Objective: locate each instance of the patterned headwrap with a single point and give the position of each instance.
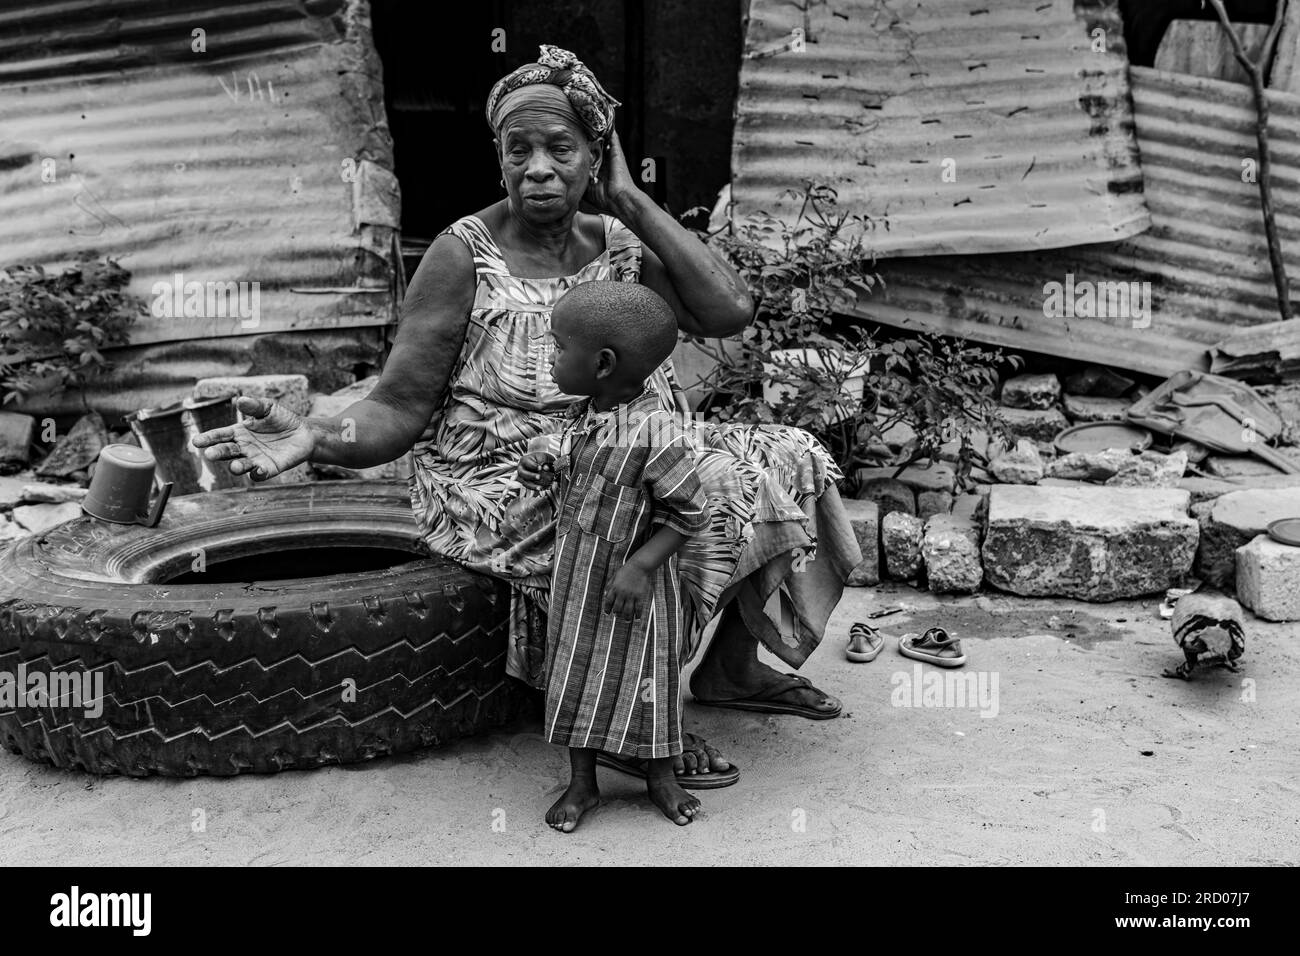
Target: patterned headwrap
(593, 106)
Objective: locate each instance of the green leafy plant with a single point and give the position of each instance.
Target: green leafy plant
(54, 327)
(805, 362)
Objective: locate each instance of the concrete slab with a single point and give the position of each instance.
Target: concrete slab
(1097, 544)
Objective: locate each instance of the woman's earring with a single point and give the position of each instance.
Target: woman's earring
(503, 182)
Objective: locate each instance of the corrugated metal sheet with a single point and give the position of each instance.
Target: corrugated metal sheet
(58, 38)
(226, 166)
(1204, 256)
(1037, 123)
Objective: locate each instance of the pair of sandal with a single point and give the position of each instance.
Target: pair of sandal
(935, 646)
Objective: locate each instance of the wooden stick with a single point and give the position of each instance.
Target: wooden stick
(1255, 71)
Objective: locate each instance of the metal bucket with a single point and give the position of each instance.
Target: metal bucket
(167, 433)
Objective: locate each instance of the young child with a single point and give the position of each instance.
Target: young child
(629, 499)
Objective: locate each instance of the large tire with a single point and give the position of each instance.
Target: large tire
(227, 678)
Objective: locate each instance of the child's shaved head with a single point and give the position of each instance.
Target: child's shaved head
(631, 320)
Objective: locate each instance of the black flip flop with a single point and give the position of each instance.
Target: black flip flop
(634, 767)
(759, 705)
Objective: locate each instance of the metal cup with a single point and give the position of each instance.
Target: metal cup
(119, 491)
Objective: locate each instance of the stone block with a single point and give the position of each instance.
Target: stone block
(1234, 520)
(1039, 424)
(1031, 391)
(900, 540)
(1268, 579)
(864, 517)
(950, 548)
(1095, 544)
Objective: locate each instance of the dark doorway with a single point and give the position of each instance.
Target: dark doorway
(674, 65)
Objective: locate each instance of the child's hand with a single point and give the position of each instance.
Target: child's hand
(628, 594)
(536, 470)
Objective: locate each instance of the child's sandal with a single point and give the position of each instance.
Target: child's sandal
(865, 643)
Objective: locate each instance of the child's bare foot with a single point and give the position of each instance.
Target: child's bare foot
(667, 794)
(582, 793)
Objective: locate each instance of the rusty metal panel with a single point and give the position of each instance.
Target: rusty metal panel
(1036, 124)
(271, 167)
(1204, 255)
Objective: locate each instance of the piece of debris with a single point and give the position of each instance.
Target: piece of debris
(38, 518)
(900, 538)
(78, 449)
(950, 549)
(1209, 627)
(1259, 353)
(15, 439)
(1022, 465)
(889, 495)
(1031, 391)
(1234, 520)
(1150, 470)
(1095, 466)
(10, 531)
(921, 476)
(49, 494)
(1082, 409)
(1171, 598)
(1040, 424)
(864, 517)
(931, 503)
(1098, 380)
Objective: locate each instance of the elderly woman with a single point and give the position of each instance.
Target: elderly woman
(468, 386)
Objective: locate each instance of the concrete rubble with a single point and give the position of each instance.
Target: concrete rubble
(900, 540)
(38, 518)
(1092, 543)
(77, 450)
(930, 503)
(864, 516)
(1031, 391)
(950, 549)
(1022, 465)
(1082, 409)
(1268, 579)
(1232, 521)
(1150, 470)
(889, 495)
(1039, 424)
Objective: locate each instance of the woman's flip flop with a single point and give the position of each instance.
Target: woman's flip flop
(865, 643)
(933, 647)
(634, 767)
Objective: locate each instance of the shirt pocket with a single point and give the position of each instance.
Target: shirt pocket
(609, 510)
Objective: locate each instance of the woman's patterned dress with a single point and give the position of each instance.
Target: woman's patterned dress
(773, 502)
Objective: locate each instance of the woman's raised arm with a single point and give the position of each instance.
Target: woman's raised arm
(706, 294)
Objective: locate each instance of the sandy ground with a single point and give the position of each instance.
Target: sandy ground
(1092, 758)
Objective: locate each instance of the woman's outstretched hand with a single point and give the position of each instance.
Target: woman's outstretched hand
(613, 182)
(270, 439)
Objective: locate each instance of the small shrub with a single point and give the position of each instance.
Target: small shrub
(804, 276)
(54, 328)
